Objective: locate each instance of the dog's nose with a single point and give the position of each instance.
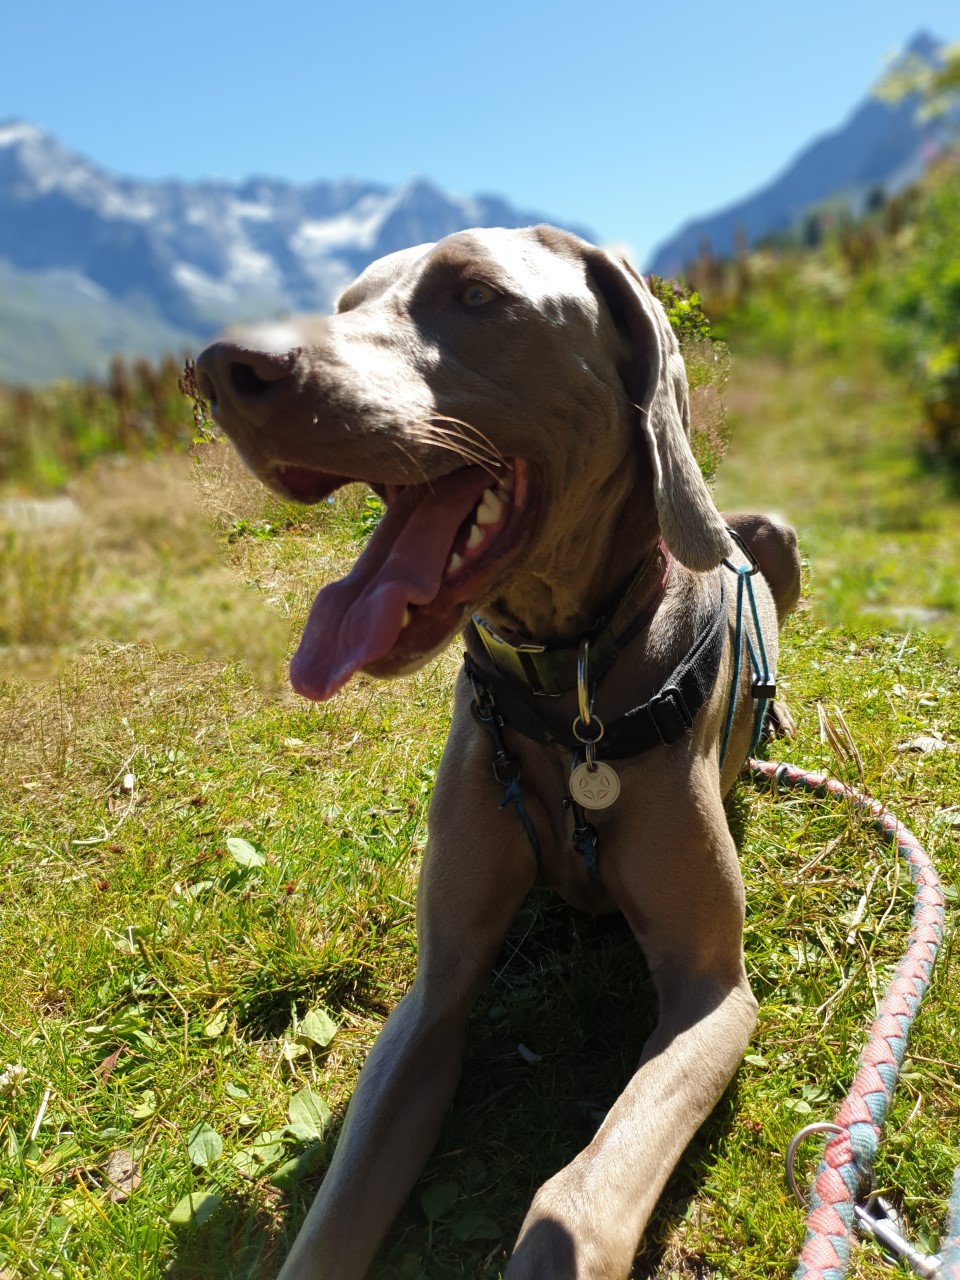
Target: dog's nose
(230, 376)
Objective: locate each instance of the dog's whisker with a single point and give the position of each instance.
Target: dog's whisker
(439, 442)
(409, 457)
(482, 438)
(445, 429)
(453, 446)
(459, 429)
(443, 438)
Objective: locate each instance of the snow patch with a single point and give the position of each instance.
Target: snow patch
(87, 287)
(251, 211)
(249, 266)
(356, 230)
(19, 131)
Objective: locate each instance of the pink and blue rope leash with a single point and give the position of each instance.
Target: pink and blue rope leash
(839, 1196)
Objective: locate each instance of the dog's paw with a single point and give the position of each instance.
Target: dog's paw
(778, 723)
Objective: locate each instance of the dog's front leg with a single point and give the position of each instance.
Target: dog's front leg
(681, 891)
(477, 869)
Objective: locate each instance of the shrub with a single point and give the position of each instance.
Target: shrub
(708, 368)
(922, 304)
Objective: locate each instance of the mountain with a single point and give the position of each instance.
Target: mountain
(92, 263)
(881, 145)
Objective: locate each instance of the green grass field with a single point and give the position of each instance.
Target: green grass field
(208, 885)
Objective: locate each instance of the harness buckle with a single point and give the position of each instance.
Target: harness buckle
(669, 715)
(764, 687)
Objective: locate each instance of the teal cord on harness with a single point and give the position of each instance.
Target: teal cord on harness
(513, 794)
(763, 686)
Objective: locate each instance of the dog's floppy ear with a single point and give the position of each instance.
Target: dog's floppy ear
(656, 381)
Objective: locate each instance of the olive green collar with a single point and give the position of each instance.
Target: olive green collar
(552, 669)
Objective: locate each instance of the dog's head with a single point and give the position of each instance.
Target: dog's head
(516, 398)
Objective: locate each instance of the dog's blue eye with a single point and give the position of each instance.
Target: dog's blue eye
(478, 294)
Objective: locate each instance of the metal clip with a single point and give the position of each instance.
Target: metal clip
(484, 711)
(754, 564)
(586, 727)
(875, 1217)
(878, 1218)
(483, 707)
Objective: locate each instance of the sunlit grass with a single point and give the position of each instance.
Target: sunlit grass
(833, 446)
(202, 875)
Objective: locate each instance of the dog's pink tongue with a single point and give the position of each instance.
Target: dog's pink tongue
(357, 620)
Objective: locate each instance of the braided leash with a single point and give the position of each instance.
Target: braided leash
(844, 1175)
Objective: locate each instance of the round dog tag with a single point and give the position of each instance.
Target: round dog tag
(596, 787)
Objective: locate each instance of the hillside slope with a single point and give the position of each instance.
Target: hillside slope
(881, 145)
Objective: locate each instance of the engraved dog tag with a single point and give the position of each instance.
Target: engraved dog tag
(594, 787)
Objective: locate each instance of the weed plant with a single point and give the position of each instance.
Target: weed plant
(48, 436)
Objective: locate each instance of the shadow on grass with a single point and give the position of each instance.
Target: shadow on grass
(241, 1241)
(552, 1042)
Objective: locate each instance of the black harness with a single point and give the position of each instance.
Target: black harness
(500, 702)
(661, 720)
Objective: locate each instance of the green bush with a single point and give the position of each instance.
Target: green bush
(47, 436)
(922, 305)
(842, 287)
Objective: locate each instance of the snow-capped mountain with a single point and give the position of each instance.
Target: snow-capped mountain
(92, 262)
(168, 263)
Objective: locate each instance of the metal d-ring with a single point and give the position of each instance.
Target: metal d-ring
(589, 743)
(819, 1126)
(595, 725)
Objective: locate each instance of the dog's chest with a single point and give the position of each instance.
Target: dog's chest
(545, 777)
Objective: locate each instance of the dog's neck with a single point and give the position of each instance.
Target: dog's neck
(584, 557)
(551, 669)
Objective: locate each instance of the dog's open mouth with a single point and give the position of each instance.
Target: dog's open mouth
(433, 556)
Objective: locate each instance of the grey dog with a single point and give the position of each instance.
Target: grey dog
(518, 400)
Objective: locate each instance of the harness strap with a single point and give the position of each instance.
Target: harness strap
(661, 720)
(506, 769)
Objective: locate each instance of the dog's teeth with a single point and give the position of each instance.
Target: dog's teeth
(476, 537)
(490, 508)
(407, 618)
(507, 481)
(454, 563)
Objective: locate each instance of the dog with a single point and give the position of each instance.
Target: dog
(518, 400)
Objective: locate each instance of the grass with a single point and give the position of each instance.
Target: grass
(207, 887)
(834, 448)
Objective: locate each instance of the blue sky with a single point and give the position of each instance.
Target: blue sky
(627, 118)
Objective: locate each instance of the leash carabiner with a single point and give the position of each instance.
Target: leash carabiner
(754, 562)
(878, 1219)
(875, 1216)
